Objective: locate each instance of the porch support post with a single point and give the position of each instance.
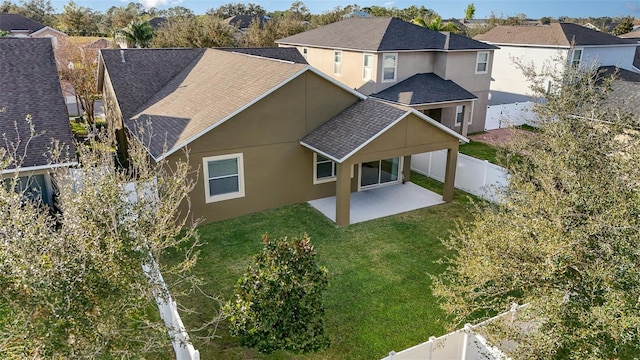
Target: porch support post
(343, 194)
(406, 168)
(450, 174)
(466, 115)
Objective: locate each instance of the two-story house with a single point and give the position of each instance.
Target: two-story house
(443, 75)
(540, 45)
(20, 26)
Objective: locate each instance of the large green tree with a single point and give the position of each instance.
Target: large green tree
(77, 20)
(198, 31)
(564, 239)
(138, 34)
(72, 284)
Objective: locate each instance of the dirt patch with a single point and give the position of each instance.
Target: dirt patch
(500, 137)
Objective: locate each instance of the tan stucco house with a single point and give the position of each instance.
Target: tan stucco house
(263, 128)
(443, 75)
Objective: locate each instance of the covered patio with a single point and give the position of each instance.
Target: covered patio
(370, 145)
(381, 202)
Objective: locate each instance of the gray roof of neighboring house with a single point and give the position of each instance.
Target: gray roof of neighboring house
(556, 34)
(278, 53)
(244, 21)
(29, 84)
(625, 94)
(358, 125)
(426, 88)
(156, 22)
(200, 93)
(381, 34)
(13, 22)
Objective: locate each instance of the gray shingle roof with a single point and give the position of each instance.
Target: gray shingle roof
(144, 73)
(279, 53)
(12, 22)
(204, 92)
(354, 127)
(625, 89)
(29, 84)
(426, 88)
(556, 34)
(380, 34)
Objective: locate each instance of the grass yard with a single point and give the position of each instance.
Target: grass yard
(379, 296)
(480, 150)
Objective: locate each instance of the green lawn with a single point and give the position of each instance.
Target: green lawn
(379, 296)
(480, 150)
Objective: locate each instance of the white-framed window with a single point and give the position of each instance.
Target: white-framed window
(324, 169)
(223, 177)
(305, 52)
(459, 114)
(482, 62)
(576, 56)
(367, 66)
(337, 62)
(389, 67)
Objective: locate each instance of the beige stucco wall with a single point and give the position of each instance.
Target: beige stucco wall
(277, 169)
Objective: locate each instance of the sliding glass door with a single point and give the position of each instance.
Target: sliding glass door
(381, 172)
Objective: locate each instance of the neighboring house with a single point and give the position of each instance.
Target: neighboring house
(29, 87)
(541, 45)
(625, 90)
(20, 26)
(633, 34)
(263, 132)
(156, 22)
(444, 75)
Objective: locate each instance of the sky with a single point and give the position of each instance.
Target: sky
(446, 8)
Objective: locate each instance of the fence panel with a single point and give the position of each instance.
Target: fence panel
(505, 115)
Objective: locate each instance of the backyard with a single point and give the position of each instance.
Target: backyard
(379, 296)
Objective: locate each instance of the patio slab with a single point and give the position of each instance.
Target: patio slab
(380, 202)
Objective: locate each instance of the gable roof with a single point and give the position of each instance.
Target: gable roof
(556, 34)
(381, 34)
(29, 84)
(360, 124)
(278, 53)
(14, 22)
(425, 88)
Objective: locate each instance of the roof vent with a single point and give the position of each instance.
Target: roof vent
(122, 55)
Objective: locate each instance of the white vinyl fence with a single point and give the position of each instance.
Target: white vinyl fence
(475, 176)
(462, 344)
(506, 115)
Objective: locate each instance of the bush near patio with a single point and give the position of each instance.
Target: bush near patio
(278, 302)
(379, 295)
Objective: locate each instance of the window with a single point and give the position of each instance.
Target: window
(389, 65)
(482, 62)
(324, 169)
(367, 66)
(305, 52)
(576, 56)
(337, 62)
(459, 115)
(223, 177)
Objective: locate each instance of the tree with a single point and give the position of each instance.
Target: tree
(77, 20)
(179, 11)
(201, 31)
(72, 283)
(38, 10)
(625, 26)
(233, 9)
(545, 20)
(121, 17)
(299, 11)
(272, 30)
(78, 65)
(470, 12)
(138, 34)
(435, 24)
(564, 239)
(278, 302)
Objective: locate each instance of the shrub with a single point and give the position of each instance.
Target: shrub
(278, 302)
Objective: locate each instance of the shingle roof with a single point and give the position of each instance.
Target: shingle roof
(29, 84)
(12, 22)
(380, 34)
(635, 34)
(244, 21)
(144, 72)
(426, 88)
(556, 34)
(207, 91)
(625, 94)
(279, 53)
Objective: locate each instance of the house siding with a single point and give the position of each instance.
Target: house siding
(277, 170)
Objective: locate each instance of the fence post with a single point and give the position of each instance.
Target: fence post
(432, 340)
(429, 167)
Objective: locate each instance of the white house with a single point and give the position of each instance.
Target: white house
(540, 45)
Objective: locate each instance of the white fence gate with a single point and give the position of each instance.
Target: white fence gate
(475, 176)
(505, 115)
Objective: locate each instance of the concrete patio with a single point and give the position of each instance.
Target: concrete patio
(380, 202)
